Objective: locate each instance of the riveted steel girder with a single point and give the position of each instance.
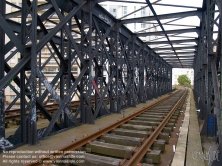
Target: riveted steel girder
(98, 61)
(206, 69)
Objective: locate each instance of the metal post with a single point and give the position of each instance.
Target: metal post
(2, 70)
(90, 118)
(86, 81)
(23, 123)
(216, 92)
(130, 72)
(33, 139)
(119, 71)
(62, 116)
(141, 76)
(171, 78)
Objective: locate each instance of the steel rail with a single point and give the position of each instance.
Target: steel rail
(49, 108)
(83, 141)
(136, 158)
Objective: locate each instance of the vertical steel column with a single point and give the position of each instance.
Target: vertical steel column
(98, 74)
(168, 79)
(33, 139)
(212, 24)
(137, 69)
(142, 98)
(155, 90)
(219, 57)
(62, 115)
(202, 97)
(171, 78)
(206, 99)
(2, 71)
(113, 72)
(99, 80)
(216, 92)
(152, 75)
(82, 91)
(86, 51)
(160, 77)
(39, 81)
(156, 93)
(149, 76)
(90, 118)
(23, 123)
(131, 95)
(163, 77)
(119, 70)
(219, 53)
(67, 78)
(156, 84)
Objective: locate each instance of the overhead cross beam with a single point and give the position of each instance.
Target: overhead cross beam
(173, 41)
(173, 57)
(162, 17)
(176, 48)
(171, 53)
(161, 33)
(160, 24)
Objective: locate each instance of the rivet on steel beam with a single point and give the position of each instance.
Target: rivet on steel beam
(149, 150)
(142, 139)
(133, 149)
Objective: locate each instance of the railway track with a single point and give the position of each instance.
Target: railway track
(138, 139)
(13, 115)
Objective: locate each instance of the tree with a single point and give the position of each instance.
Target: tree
(184, 80)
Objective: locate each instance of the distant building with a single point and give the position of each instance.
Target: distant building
(50, 63)
(122, 10)
(180, 71)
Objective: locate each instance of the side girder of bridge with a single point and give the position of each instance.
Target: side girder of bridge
(207, 72)
(116, 68)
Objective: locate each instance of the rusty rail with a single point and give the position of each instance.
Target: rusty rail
(79, 143)
(136, 158)
(49, 107)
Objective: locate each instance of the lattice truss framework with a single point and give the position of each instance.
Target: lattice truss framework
(117, 69)
(207, 67)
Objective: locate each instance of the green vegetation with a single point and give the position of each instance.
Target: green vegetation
(183, 80)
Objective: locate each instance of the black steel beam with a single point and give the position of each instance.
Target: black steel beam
(161, 33)
(176, 48)
(33, 138)
(172, 57)
(18, 14)
(173, 41)
(2, 73)
(7, 29)
(178, 53)
(180, 6)
(161, 26)
(127, 1)
(161, 17)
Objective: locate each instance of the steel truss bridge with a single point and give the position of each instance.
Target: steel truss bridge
(85, 34)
